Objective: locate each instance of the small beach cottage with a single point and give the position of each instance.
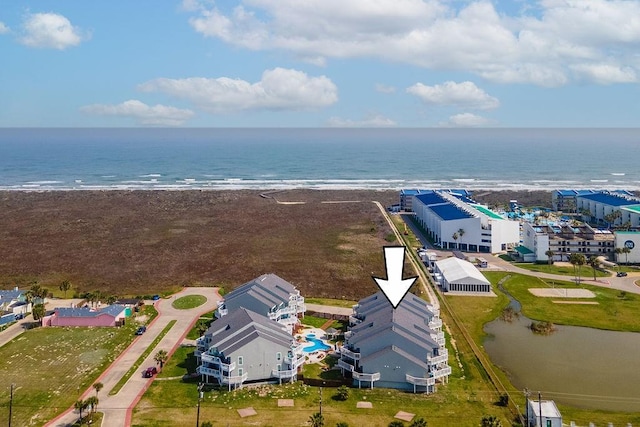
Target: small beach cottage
(113, 315)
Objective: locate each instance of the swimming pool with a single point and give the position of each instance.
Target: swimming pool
(316, 345)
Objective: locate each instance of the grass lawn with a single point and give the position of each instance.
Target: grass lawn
(189, 301)
(50, 367)
(586, 270)
(314, 321)
(615, 311)
(331, 301)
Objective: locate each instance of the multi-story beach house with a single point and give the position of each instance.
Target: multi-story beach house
(244, 346)
(400, 348)
(454, 221)
(268, 295)
(609, 208)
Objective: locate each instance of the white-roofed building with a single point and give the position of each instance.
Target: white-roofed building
(457, 275)
(543, 413)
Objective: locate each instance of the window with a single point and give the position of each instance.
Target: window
(240, 361)
(240, 372)
(278, 356)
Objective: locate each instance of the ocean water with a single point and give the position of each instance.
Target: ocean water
(176, 159)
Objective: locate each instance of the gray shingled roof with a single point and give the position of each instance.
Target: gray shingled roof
(242, 326)
(270, 289)
(112, 310)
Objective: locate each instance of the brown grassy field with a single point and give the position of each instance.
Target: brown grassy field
(145, 242)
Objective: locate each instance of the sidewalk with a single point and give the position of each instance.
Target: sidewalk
(117, 408)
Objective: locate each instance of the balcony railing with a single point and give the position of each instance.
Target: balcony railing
(347, 335)
(220, 312)
(351, 354)
(294, 362)
(284, 374)
(344, 365)
(227, 367)
(235, 380)
(442, 372)
(353, 320)
(435, 323)
(420, 380)
(441, 358)
(366, 377)
(202, 370)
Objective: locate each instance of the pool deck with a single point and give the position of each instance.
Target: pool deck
(318, 355)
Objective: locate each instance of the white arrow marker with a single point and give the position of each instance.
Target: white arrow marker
(394, 287)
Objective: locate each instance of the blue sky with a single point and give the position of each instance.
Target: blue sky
(319, 63)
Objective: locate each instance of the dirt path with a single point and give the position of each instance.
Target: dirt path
(117, 408)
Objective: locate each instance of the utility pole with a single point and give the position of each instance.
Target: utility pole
(10, 403)
(527, 393)
(200, 387)
(320, 400)
(540, 407)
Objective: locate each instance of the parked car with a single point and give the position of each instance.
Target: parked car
(19, 316)
(149, 372)
(622, 274)
(156, 297)
(141, 330)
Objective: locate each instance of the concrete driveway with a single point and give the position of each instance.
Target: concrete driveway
(117, 408)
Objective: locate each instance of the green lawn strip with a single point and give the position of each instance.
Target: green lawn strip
(585, 272)
(52, 367)
(172, 403)
(313, 321)
(149, 311)
(181, 363)
(331, 301)
(189, 301)
(616, 311)
(141, 359)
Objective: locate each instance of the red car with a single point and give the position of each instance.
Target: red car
(149, 372)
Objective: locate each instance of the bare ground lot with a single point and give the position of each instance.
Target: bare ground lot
(141, 242)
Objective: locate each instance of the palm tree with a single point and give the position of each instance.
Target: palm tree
(38, 312)
(460, 234)
(418, 422)
(594, 262)
(625, 251)
(549, 255)
(161, 357)
(92, 403)
(317, 420)
(64, 287)
(80, 405)
(455, 238)
(618, 251)
(490, 421)
(577, 260)
(98, 386)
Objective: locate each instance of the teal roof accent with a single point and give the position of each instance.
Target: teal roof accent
(632, 208)
(487, 212)
(523, 250)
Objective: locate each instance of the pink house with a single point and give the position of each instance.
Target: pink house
(113, 315)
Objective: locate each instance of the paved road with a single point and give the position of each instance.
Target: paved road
(620, 283)
(117, 409)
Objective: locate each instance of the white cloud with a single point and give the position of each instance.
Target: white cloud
(541, 46)
(464, 95)
(3, 28)
(371, 121)
(466, 120)
(278, 89)
(50, 30)
(157, 115)
(605, 73)
(384, 88)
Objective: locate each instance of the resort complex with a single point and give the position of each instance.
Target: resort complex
(454, 221)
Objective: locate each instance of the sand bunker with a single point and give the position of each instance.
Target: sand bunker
(562, 293)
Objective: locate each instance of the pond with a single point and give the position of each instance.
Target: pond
(581, 367)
